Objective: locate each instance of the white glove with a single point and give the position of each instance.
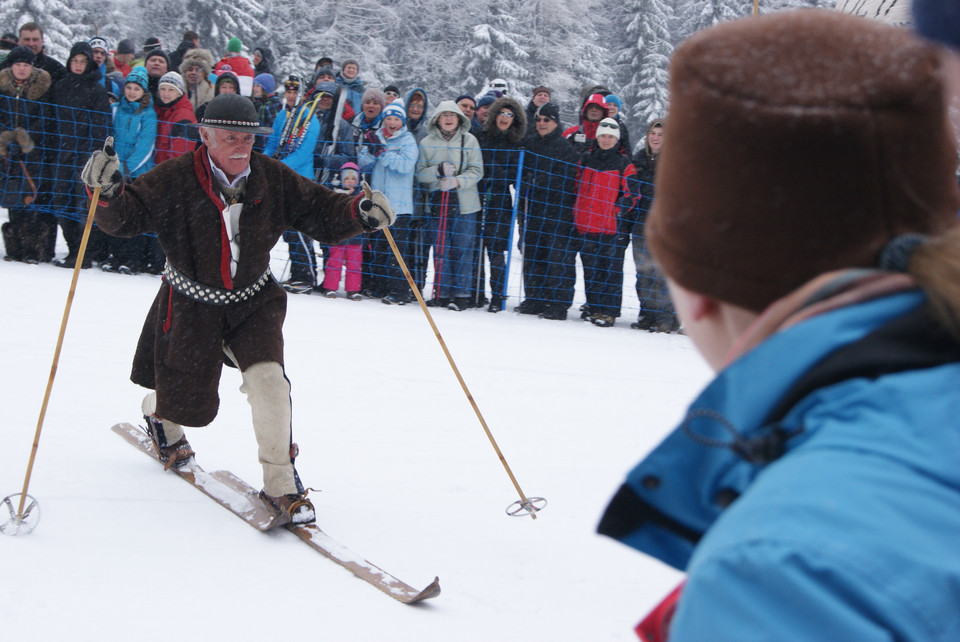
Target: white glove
(375, 210)
(448, 183)
(103, 170)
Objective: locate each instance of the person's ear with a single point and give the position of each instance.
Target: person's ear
(701, 307)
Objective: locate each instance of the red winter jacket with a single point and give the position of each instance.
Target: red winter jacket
(174, 136)
(239, 65)
(608, 188)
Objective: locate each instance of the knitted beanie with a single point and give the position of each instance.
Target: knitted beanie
(395, 109)
(610, 127)
(21, 54)
(172, 79)
(125, 46)
(549, 110)
(138, 76)
(349, 168)
(157, 52)
(267, 81)
(234, 45)
(325, 70)
(800, 142)
(151, 44)
(98, 42)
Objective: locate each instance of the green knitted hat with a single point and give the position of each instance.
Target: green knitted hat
(234, 45)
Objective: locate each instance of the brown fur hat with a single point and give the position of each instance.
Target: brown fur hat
(197, 58)
(800, 142)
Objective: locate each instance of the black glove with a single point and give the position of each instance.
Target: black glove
(375, 210)
(103, 170)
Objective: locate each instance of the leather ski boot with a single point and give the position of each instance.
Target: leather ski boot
(177, 454)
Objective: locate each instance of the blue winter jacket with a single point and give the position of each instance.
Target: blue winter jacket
(299, 155)
(839, 520)
(394, 169)
(134, 136)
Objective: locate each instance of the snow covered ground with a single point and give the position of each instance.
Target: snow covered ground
(409, 480)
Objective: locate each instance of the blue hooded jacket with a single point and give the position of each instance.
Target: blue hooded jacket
(840, 519)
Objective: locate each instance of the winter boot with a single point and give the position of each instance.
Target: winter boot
(290, 509)
(496, 304)
(603, 320)
(297, 286)
(644, 322)
(529, 306)
(177, 454)
(459, 304)
(11, 242)
(554, 312)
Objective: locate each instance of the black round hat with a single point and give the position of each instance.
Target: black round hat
(234, 112)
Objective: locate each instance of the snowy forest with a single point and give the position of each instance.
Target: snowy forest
(447, 49)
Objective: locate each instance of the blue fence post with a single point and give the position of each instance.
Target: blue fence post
(513, 222)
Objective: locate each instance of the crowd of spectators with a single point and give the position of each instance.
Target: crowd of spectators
(469, 179)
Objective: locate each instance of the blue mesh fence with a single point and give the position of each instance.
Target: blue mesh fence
(531, 230)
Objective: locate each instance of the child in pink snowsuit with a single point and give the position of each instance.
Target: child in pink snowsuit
(351, 252)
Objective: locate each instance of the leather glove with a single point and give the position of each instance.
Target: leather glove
(103, 170)
(375, 210)
(448, 183)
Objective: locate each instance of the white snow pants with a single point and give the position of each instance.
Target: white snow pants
(268, 393)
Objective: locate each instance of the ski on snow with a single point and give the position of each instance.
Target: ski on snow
(241, 499)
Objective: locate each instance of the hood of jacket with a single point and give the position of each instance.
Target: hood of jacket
(265, 53)
(225, 75)
(656, 122)
(593, 99)
(197, 57)
(92, 70)
(448, 105)
(413, 125)
(517, 128)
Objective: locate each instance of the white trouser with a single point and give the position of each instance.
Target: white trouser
(268, 393)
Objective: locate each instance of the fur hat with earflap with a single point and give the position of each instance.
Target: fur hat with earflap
(780, 210)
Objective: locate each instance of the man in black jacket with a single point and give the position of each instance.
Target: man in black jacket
(191, 40)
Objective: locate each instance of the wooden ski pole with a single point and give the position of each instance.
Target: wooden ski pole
(56, 353)
(525, 503)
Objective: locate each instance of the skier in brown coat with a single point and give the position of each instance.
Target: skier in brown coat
(217, 212)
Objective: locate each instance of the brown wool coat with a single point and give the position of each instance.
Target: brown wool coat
(182, 362)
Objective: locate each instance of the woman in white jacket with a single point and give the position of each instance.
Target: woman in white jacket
(450, 166)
